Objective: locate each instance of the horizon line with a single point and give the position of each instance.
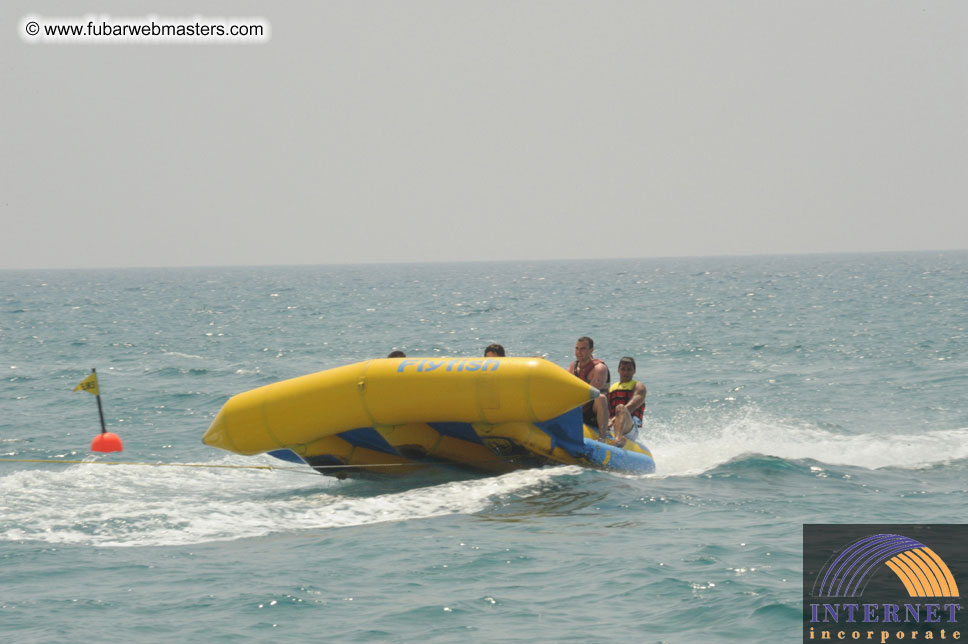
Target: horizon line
(483, 261)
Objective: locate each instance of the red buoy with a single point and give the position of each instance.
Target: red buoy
(106, 442)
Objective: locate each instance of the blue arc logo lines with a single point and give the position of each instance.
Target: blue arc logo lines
(920, 570)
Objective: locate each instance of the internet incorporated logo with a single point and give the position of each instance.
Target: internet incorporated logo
(887, 569)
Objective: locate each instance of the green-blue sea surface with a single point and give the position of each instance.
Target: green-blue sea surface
(782, 391)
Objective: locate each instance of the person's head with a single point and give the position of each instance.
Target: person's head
(626, 369)
(397, 354)
(494, 351)
(584, 348)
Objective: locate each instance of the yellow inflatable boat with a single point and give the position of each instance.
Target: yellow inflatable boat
(396, 416)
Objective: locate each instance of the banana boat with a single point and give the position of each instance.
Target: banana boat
(395, 416)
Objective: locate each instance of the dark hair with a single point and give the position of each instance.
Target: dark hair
(397, 354)
(494, 348)
(585, 338)
(627, 360)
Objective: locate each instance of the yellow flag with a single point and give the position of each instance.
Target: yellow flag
(89, 385)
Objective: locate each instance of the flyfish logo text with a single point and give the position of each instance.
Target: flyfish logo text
(909, 592)
(448, 364)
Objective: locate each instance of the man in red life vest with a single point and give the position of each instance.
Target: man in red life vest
(594, 372)
(626, 402)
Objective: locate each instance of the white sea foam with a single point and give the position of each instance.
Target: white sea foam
(139, 505)
(179, 354)
(132, 505)
(695, 445)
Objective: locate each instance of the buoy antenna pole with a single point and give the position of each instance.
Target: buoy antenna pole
(105, 441)
(100, 410)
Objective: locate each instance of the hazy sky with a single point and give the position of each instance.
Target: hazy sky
(371, 131)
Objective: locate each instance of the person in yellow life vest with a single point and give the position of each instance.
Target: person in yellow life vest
(626, 402)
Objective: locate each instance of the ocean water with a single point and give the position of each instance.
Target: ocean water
(782, 391)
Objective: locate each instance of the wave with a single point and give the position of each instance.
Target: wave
(176, 371)
(694, 445)
(137, 505)
(179, 354)
(131, 505)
